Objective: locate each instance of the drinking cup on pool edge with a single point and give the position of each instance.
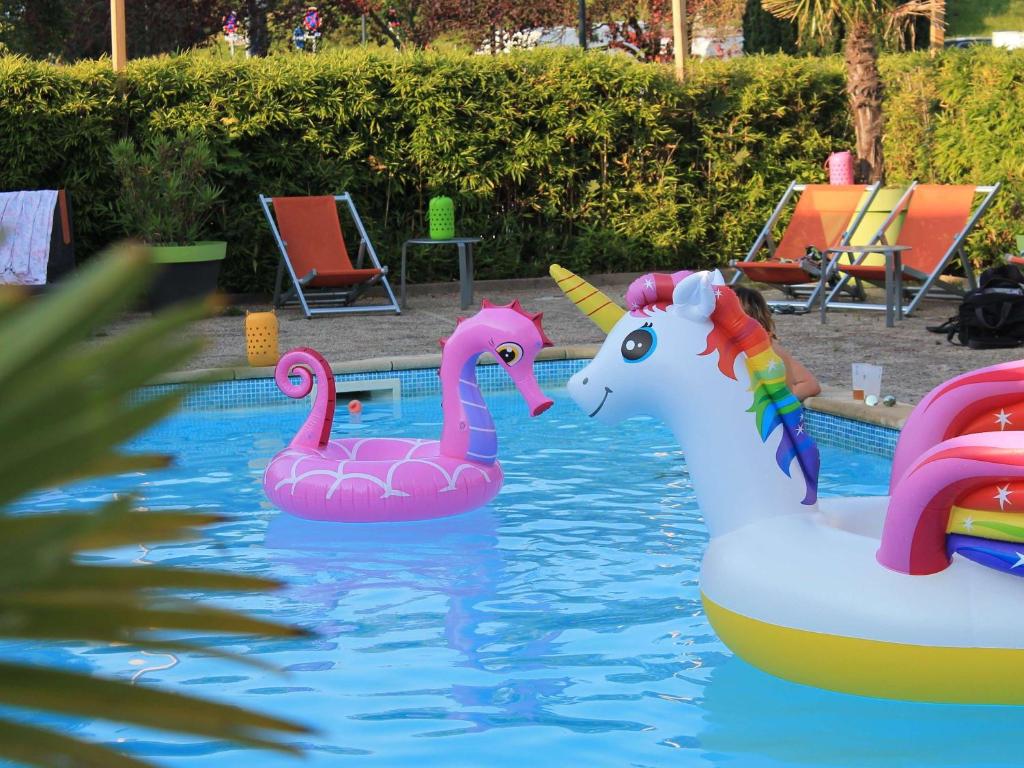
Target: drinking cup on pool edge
(867, 380)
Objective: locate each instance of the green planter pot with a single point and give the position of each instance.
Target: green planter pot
(185, 271)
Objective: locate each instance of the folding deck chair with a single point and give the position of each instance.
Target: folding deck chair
(824, 215)
(308, 234)
(937, 220)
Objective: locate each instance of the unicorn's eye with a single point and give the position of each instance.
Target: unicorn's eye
(639, 344)
(510, 352)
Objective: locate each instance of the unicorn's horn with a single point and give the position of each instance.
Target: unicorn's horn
(604, 312)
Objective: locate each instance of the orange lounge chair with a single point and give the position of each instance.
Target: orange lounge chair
(938, 219)
(824, 215)
(308, 234)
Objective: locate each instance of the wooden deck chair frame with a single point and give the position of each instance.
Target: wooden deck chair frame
(930, 283)
(62, 245)
(815, 285)
(340, 300)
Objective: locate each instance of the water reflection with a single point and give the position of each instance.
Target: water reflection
(379, 584)
(455, 557)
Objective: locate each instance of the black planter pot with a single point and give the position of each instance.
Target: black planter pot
(185, 272)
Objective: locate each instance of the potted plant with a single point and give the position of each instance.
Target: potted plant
(166, 200)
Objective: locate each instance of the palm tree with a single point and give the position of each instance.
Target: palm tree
(865, 23)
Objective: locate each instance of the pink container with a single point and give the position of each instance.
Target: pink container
(840, 168)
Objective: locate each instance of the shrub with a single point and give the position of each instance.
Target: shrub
(954, 120)
(593, 160)
(163, 196)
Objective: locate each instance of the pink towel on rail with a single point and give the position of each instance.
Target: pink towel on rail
(26, 224)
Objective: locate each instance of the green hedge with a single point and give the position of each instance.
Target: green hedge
(957, 119)
(591, 160)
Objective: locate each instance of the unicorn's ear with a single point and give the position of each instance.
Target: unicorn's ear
(694, 296)
(716, 278)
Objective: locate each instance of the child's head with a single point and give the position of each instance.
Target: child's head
(753, 304)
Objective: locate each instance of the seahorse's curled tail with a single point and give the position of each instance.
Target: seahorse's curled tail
(310, 366)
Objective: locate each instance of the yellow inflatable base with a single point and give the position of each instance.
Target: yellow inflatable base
(872, 667)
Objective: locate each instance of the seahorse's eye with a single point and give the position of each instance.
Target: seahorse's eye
(639, 344)
(510, 352)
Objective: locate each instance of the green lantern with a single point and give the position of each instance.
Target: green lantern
(442, 218)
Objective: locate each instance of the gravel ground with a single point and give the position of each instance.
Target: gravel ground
(914, 359)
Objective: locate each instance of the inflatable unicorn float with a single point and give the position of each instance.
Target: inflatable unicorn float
(392, 479)
(874, 595)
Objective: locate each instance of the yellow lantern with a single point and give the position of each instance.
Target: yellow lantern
(261, 338)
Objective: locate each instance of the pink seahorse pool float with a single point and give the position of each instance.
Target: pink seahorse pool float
(386, 479)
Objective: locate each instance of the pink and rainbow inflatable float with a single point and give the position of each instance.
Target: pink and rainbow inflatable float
(914, 595)
(385, 479)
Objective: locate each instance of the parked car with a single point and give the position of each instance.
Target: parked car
(966, 42)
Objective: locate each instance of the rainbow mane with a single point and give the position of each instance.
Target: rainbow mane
(734, 332)
(774, 405)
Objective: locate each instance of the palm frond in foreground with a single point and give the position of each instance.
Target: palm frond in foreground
(65, 407)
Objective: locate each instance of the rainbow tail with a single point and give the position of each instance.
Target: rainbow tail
(963, 496)
(601, 310)
(986, 525)
(986, 400)
(1002, 555)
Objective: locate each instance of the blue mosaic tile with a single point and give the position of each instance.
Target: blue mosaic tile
(838, 432)
(252, 393)
(826, 428)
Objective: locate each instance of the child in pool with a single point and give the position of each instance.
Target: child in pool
(801, 382)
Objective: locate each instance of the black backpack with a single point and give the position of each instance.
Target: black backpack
(991, 317)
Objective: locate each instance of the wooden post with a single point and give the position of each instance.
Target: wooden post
(118, 46)
(937, 32)
(679, 43)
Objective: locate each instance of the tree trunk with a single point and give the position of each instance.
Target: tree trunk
(259, 35)
(937, 33)
(864, 88)
(384, 28)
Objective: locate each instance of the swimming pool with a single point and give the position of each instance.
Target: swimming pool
(561, 625)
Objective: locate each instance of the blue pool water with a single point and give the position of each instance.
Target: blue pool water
(560, 626)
